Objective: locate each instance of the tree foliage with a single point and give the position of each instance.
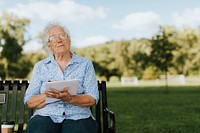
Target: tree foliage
(187, 57)
(12, 29)
(170, 50)
(162, 50)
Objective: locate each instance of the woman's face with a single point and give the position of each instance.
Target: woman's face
(59, 42)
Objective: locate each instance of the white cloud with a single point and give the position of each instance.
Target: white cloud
(92, 40)
(140, 23)
(66, 10)
(188, 18)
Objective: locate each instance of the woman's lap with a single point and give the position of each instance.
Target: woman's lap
(88, 125)
(44, 124)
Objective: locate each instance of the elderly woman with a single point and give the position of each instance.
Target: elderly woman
(71, 114)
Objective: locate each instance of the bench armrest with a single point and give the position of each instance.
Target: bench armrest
(112, 123)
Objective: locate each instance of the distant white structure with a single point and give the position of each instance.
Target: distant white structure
(178, 79)
(129, 81)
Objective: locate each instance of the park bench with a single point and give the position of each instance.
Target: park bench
(12, 106)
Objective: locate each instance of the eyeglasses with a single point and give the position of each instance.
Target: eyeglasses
(62, 36)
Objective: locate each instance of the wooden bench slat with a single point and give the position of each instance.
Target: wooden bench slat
(5, 106)
(13, 104)
(2, 95)
(98, 112)
(104, 102)
(22, 114)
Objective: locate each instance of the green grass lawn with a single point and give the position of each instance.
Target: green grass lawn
(152, 110)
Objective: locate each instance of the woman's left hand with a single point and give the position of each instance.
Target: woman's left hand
(83, 100)
(53, 93)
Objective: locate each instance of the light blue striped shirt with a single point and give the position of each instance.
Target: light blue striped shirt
(47, 70)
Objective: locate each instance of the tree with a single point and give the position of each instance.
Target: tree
(123, 60)
(140, 51)
(103, 58)
(12, 40)
(187, 57)
(162, 51)
(10, 47)
(2, 70)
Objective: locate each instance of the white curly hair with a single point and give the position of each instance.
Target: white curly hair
(51, 25)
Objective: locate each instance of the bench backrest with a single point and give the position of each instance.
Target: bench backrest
(13, 108)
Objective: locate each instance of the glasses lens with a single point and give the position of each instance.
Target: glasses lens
(63, 36)
(55, 38)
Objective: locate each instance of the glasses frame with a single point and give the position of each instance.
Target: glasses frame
(54, 38)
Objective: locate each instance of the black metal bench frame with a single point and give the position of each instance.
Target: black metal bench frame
(12, 106)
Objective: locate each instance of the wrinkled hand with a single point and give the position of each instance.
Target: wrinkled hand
(53, 93)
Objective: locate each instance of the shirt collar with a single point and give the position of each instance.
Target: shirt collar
(75, 59)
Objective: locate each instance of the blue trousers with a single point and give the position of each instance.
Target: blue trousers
(44, 124)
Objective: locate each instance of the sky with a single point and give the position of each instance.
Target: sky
(93, 22)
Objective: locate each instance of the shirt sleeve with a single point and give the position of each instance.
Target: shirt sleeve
(90, 83)
(34, 85)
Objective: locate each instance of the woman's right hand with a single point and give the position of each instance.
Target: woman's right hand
(37, 101)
